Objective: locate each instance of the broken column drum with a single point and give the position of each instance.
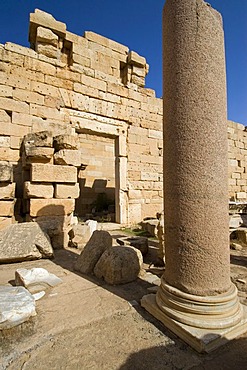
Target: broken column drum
(196, 289)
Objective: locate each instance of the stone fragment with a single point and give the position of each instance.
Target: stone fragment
(45, 35)
(36, 279)
(35, 190)
(150, 226)
(17, 305)
(241, 234)
(119, 265)
(24, 241)
(137, 242)
(7, 190)
(7, 208)
(66, 142)
(42, 138)
(80, 234)
(51, 173)
(236, 246)
(6, 172)
(97, 244)
(67, 191)
(68, 157)
(51, 207)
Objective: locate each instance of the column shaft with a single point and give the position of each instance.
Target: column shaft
(195, 149)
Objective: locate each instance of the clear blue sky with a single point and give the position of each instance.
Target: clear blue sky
(137, 24)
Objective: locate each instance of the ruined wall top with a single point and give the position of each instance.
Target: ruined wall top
(51, 39)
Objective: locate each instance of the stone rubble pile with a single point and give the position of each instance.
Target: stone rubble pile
(113, 263)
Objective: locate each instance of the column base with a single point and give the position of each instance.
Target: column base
(202, 340)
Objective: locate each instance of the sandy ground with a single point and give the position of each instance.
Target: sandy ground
(84, 323)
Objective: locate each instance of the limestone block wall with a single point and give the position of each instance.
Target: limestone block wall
(87, 85)
(237, 154)
(92, 87)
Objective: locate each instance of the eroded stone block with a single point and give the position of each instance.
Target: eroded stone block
(34, 190)
(52, 173)
(7, 190)
(64, 191)
(68, 157)
(6, 172)
(51, 207)
(66, 142)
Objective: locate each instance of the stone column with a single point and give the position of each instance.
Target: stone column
(196, 297)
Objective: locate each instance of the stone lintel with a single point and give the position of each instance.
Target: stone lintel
(202, 340)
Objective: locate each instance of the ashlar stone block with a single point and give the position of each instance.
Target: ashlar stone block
(6, 171)
(66, 142)
(68, 157)
(67, 191)
(51, 207)
(39, 139)
(53, 173)
(7, 208)
(7, 190)
(45, 35)
(34, 190)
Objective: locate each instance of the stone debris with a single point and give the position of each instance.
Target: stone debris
(97, 244)
(150, 226)
(24, 241)
(236, 246)
(17, 305)
(81, 233)
(36, 279)
(119, 265)
(138, 242)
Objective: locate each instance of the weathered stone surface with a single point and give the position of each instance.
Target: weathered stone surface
(150, 226)
(119, 265)
(6, 172)
(46, 20)
(134, 58)
(49, 51)
(35, 154)
(52, 224)
(65, 142)
(60, 240)
(51, 207)
(46, 36)
(241, 234)
(236, 246)
(36, 279)
(97, 244)
(34, 190)
(7, 208)
(24, 241)
(67, 191)
(68, 157)
(52, 173)
(7, 190)
(5, 222)
(137, 242)
(17, 305)
(39, 139)
(80, 234)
